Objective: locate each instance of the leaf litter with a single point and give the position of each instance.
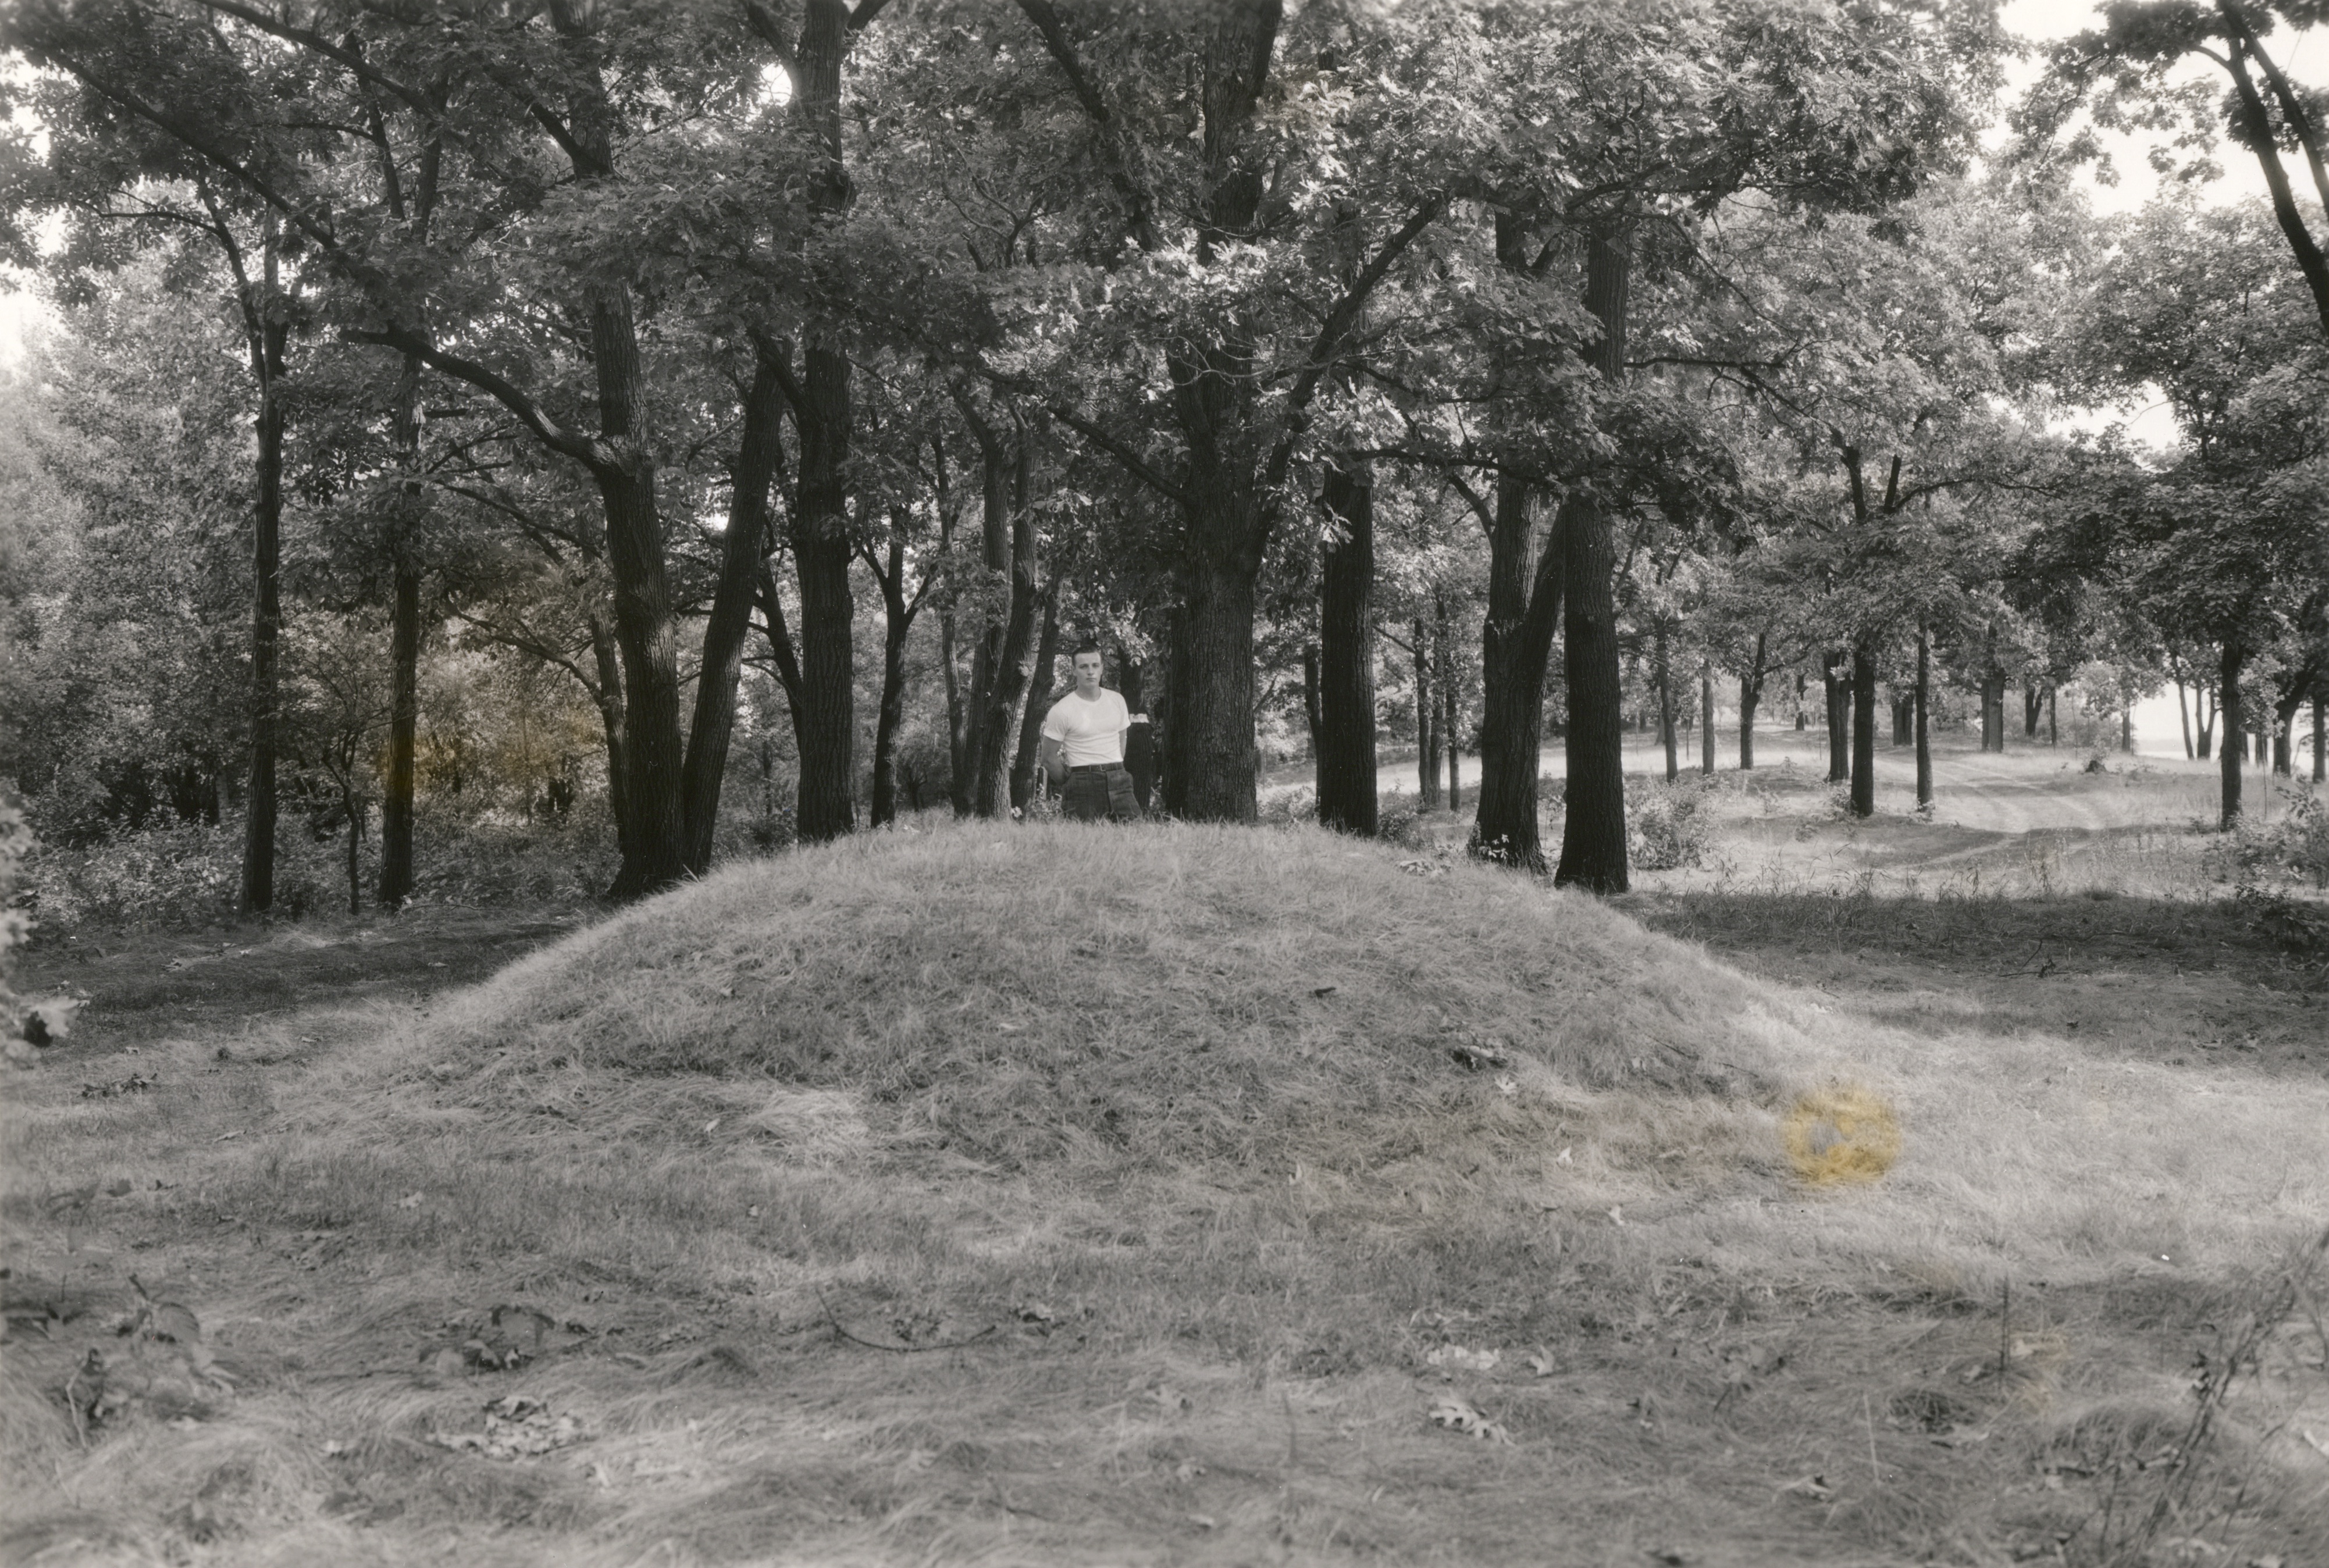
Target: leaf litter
(516, 1428)
(1459, 1415)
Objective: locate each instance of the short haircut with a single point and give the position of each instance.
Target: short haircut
(1086, 647)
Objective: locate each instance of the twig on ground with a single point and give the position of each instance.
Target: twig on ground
(896, 1349)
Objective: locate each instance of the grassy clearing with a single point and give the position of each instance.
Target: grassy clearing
(1198, 1168)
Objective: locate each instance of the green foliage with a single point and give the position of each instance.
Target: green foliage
(1666, 827)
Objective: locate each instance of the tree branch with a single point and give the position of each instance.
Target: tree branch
(529, 413)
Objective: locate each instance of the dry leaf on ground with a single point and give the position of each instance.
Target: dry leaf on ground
(1461, 1416)
(516, 1428)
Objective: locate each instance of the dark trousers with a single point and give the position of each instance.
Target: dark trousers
(1098, 797)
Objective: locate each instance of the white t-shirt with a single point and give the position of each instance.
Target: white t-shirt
(1089, 731)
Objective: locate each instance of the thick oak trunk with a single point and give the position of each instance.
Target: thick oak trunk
(1525, 587)
(1347, 659)
(1215, 722)
(741, 550)
(1593, 832)
(827, 726)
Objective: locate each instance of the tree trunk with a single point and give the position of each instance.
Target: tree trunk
(741, 550)
(2053, 730)
(827, 735)
(1427, 721)
(1310, 708)
(1039, 701)
(1924, 705)
(613, 719)
(1706, 718)
(1214, 742)
(1593, 832)
(396, 868)
(1904, 717)
(958, 752)
(2126, 726)
(896, 625)
(2183, 717)
(266, 614)
(2032, 706)
(1749, 693)
(1007, 653)
(1802, 719)
(1524, 585)
(2320, 738)
(1346, 658)
(355, 811)
(1666, 707)
(396, 807)
(1863, 730)
(2228, 706)
(1837, 690)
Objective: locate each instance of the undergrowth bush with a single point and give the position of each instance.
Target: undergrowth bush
(2293, 849)
(1667, 827)
(16, 840)
(190, 873)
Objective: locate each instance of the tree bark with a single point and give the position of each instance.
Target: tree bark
(2183, 717)
(1593, 831)
(1346, 656)
(1924, 706)
(827, 734)
(1863, 730)
(741, 551)
(267, 610)
(1749, 693)
(1523, 610)
(2032, 706)
(396, 813)
(1706, 718)
(1448, 728)
(1666, 706)
(2320, 738)
(898, 622)
(1837, 690)
(1310, 707)
(2229, 707)
(396, 806)
(1039, 701)
(1006, 661)
(1427, 721)
(614, 721)
(1215, 739)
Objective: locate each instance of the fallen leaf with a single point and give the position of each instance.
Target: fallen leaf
(1541, 1363)
(1563, 1158)
(1812, 1488)
(711, 1124)
(1463, 1359)
(409, 1201)
(1202, 1521)
(1459, 1415)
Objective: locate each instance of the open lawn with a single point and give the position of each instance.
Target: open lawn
(1177, 1195)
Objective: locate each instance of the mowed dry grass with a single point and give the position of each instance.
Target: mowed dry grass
(1154, 1149)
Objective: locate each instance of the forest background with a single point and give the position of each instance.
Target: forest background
(543, 450)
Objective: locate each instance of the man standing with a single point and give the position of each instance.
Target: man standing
(1083, 747)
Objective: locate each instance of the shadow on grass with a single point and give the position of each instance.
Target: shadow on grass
(2179, 981)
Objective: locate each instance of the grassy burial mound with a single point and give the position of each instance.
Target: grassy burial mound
(1166, 1195)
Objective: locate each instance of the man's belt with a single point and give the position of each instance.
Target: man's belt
(1096, 768)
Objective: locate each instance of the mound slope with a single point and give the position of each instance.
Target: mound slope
(1168, 990)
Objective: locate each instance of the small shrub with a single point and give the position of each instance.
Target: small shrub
(1286, 807)
(2255, 857)
(1403, 827)
(2298, 926)
(1667, 829)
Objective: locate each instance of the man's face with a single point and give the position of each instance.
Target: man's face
(1088, 675)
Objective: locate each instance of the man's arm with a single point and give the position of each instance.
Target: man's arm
(1055, 762)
